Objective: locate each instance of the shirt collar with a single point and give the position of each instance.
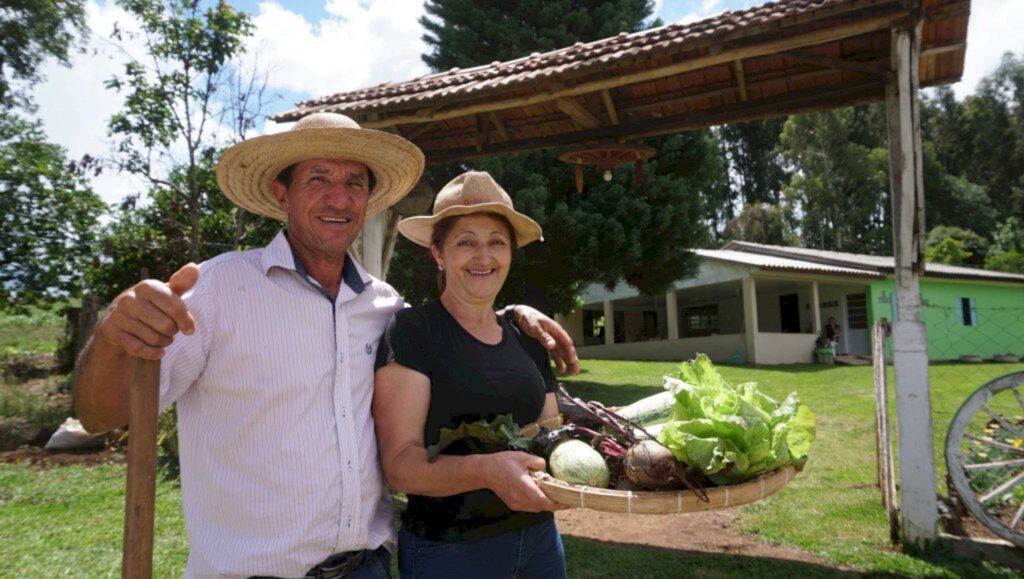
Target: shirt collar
(279, 253)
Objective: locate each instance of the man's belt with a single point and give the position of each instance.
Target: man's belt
(337, 566)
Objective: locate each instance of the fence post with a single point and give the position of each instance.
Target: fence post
(886, 476)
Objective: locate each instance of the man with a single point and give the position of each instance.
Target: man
(273, 367)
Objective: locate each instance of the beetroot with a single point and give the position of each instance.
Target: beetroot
(650, 465)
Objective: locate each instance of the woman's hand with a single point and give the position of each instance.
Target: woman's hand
(551, 335)
(508, 475)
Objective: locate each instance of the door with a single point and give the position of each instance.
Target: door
(789, 313)
(857, 341)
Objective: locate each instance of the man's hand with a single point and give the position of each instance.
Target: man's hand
(551, 335)
(144, 319)
(509, 477)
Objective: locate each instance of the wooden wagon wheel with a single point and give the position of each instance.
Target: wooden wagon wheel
(985, 456)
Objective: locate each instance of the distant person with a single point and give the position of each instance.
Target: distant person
(831, 333)
(269, 354)
(454, 361)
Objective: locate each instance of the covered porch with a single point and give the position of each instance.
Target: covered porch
(740, 318)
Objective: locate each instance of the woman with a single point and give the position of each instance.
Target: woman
(454, 361)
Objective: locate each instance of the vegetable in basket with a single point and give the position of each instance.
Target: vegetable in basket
(733, 434)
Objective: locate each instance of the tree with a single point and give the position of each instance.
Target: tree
(48, 212)
(466, 33)
(756, 168)
(993, 120)
(148, 239)
(173, 96)
(949, 251)
(614, 231)
(30, 32)
(838, 195)
(1008, 261)
(759, 223)
(973, 246)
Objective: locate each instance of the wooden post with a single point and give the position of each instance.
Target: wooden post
(883, 445)
(918, 503)
(140, 493)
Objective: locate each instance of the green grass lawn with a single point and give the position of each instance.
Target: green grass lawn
(66, 521)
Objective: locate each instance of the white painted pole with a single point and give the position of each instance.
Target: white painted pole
(815, 308)
(918, 503)
(609, 323)
(374, 233)
(750, 317)
(672, 313)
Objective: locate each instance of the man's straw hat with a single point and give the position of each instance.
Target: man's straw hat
(471, 192)
(247, 170)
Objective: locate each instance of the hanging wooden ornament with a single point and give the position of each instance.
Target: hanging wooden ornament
(607, 156)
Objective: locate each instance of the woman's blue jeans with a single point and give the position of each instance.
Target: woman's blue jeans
(533, 552)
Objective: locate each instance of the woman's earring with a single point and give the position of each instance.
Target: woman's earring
(439, 268)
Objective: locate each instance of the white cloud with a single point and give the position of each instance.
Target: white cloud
(993, 29)
(361, 43)
(75, 107)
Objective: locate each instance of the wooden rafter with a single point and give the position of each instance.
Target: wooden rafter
(499, 126)
(741, 80)
(791, 103)
(609, 106)
(837, 63)
(578, 112)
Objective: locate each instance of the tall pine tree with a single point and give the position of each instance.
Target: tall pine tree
(612, 231)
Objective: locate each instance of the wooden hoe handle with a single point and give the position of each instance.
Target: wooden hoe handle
(140, 495)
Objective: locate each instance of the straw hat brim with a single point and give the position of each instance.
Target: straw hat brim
(246, 171)
(419, 229)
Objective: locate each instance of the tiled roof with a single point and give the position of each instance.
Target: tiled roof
(578, 58)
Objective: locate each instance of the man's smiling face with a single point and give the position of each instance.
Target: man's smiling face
(326, 206)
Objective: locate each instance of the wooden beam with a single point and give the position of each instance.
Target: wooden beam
(578, 113)
(741, 80)
(807, 101)
(726, 90)
(723, 56)
(499, 126)
(415, 131)
(609, 106)
(837, 63)
(936, 50)
(483, 131)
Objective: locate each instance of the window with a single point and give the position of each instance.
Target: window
(968, 312)
(857, 311)
(701, 321)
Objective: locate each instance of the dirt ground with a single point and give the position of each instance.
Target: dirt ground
(711, 532)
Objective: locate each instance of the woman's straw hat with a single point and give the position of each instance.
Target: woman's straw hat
(247, 170)
(471, 192)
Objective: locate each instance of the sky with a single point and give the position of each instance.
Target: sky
(312, 48)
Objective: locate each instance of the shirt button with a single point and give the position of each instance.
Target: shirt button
(350, 466)
(341, 358)
(348, 522)
(344, 412)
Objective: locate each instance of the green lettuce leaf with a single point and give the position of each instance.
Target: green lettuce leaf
(733, 433)
(501, 433)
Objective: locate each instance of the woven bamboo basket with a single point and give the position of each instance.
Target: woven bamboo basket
(664, 502)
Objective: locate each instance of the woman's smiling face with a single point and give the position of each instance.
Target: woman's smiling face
(475, 257)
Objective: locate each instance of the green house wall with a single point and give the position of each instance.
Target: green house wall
(999, 309)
